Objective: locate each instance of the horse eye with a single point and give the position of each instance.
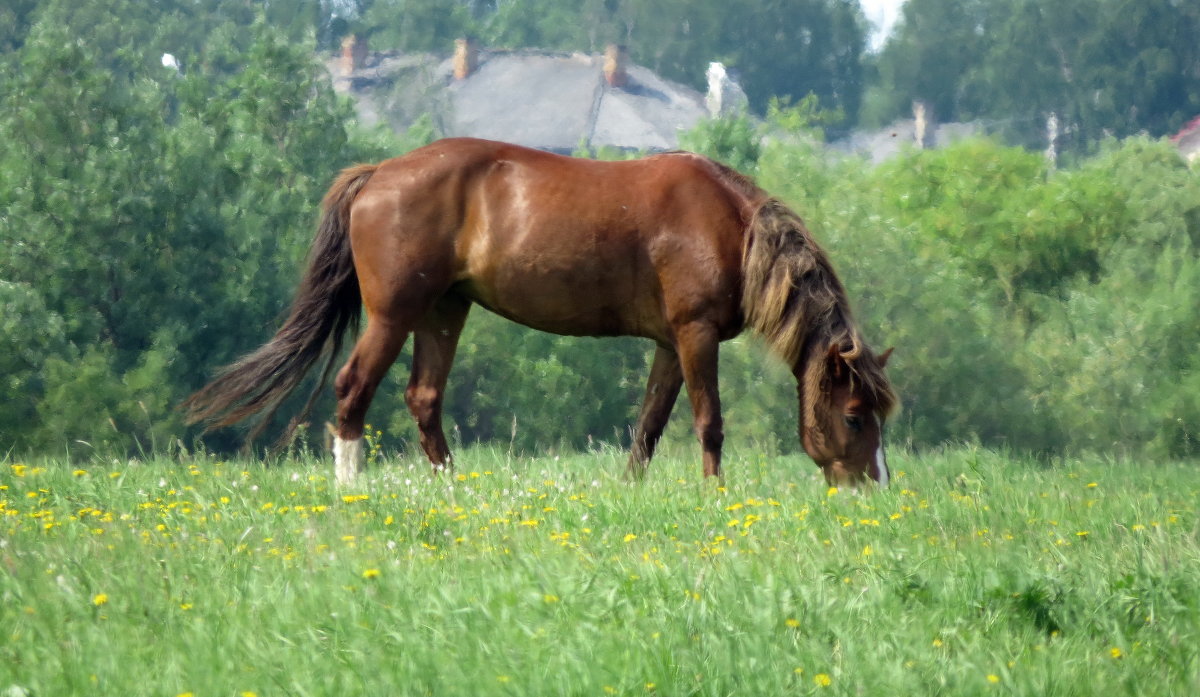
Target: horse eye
(854, 423)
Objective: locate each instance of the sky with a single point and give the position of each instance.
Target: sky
(883, 15)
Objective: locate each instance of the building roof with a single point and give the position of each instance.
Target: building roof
(552, 101)
(1188, 140)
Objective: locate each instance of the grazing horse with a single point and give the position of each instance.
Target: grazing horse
(673, 247)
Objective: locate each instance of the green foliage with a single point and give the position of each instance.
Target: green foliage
(29, 334)
(733, 140)
(1119, 363)
(159, 216)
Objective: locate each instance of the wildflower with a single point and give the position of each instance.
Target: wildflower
(792, 622)
(79, 473)
(937, 642)
(371, 573)
(993, 678)
(822, 680)
(549, 598)
(833, 490)
(99, 599)
(1116, 652)
(630, 537)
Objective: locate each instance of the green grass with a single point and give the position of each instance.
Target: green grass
(975, 573)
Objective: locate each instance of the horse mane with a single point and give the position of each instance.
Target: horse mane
(794, 300)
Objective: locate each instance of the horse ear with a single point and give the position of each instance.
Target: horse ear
(883, 357)
(837, 364)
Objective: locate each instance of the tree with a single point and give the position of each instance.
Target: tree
(1103, 67)
(161, 215)
(928, 58)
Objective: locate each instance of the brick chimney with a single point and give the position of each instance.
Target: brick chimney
(615, 59)
(354, 53)
(466, 57)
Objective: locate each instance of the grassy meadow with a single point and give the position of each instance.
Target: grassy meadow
(975, 573)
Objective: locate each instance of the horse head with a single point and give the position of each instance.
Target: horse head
(843, 407)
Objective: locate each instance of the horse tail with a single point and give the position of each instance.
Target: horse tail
(327, 303)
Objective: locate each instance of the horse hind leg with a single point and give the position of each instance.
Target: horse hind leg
(355, 386)
(434, 344)
(662, 389)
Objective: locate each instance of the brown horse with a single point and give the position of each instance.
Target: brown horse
(674, 247)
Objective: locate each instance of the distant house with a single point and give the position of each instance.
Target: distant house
(552, 101)
(1188, 140)
(919, 132)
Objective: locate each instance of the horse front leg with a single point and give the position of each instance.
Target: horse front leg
(662, 389)
(434, 344)
(697, 345)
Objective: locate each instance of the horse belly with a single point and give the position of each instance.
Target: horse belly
(565, 292)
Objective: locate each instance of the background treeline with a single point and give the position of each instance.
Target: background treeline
(153, 222)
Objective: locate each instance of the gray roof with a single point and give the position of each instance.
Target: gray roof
(883, 144)
(552, 101)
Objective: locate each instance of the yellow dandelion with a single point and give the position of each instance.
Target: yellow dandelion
(549, 598)
(993, 678)
(630, 537)
(833, 490)
(248, 693)
(371, 573)
(185, 606)
(79, 473)
(822, 680)
(1116, 652)
(99, 599)
(792, 622)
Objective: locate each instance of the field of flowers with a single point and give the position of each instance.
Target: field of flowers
(975, 573)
